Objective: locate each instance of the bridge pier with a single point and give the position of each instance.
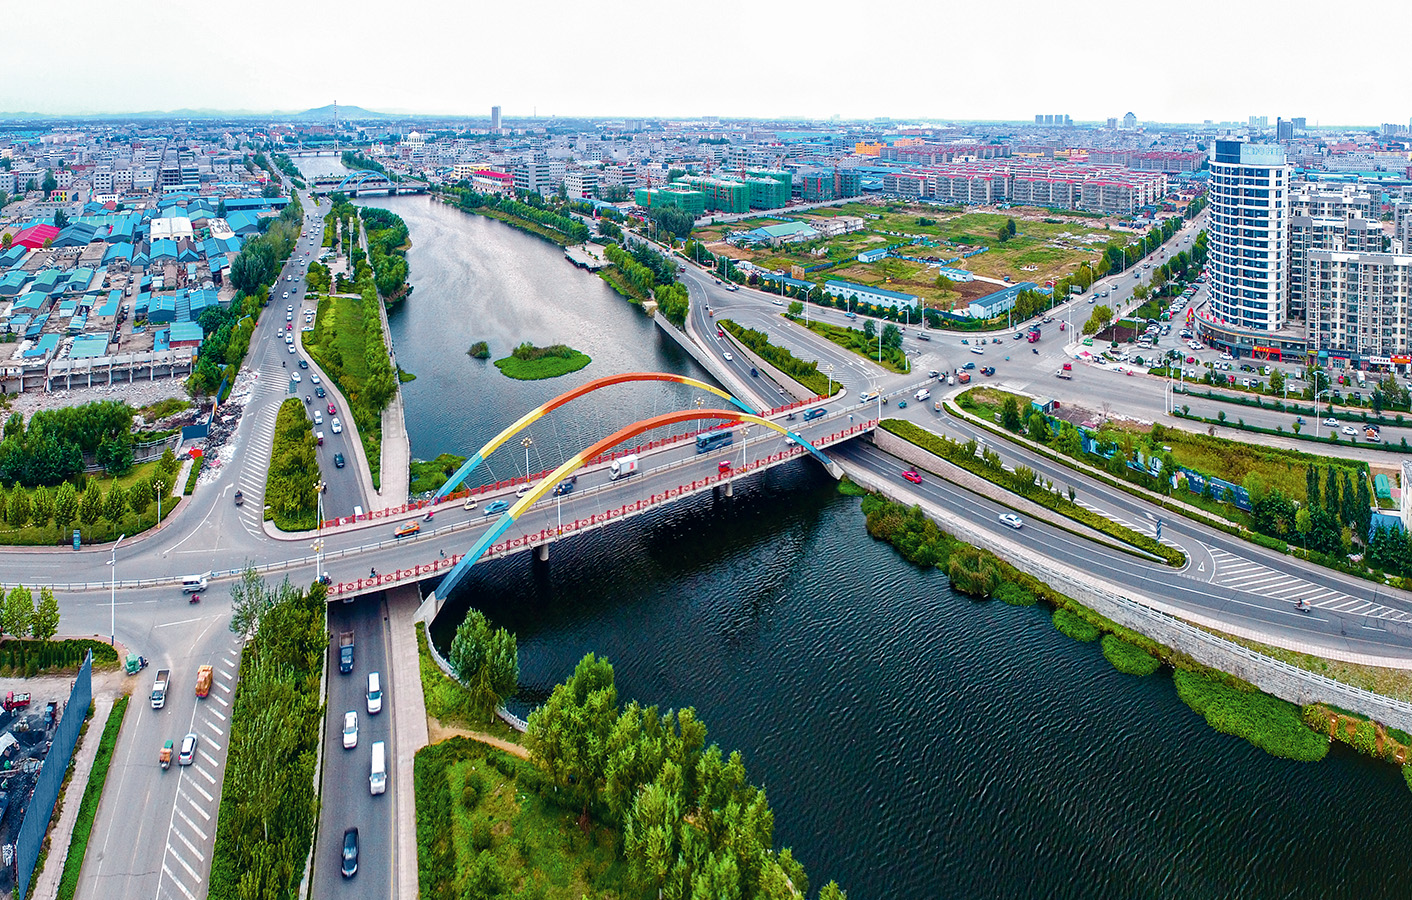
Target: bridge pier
(541, 553)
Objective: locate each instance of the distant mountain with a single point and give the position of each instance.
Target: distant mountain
(345, 114)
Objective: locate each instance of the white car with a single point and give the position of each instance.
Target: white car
(294, 377)
(314, 379)
(336, 425)
(470, 503)
(290, 347)
(350, 729)
(728, 357)
(1331, 422)
(286, 295)
(524, 489)
(1349, 430)
(318, 417)
(1011, 519)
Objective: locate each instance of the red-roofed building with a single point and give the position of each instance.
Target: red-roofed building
(34, 236)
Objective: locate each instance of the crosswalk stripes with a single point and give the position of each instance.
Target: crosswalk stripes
(1256, 578)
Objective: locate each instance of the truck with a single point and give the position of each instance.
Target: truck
(964, 378)
(1065, 372)
(345, 652)
(159, 688)
(1033, 336)
(203, 680)
(15, 701)
(622, 468)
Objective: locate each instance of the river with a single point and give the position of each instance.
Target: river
(913, 743)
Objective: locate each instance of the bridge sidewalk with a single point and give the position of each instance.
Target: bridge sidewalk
(409, 710)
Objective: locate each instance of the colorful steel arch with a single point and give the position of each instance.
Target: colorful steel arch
(354, 179)
(508, 517)
(539, 412)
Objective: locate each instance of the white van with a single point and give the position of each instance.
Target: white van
(374, 694)
(358, 512)
(193, 584)
(377, 781)
(923, 394)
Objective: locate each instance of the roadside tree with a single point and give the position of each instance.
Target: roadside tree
(45, 623)
(18, 510)
(115, 505)
(65, 505)
(91, 507)
(19, 611)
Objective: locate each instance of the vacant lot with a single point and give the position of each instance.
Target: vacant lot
(1039, 251)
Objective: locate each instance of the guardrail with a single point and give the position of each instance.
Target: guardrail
(593, 521)
(311, 559)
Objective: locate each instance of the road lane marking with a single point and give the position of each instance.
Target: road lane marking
(190, 846)
(182, 622)
(216, 728)
(199, 811)
(202, 792)
(221, 700)
(213, 743)
(184, 864)
(177, 882)
(217, 713)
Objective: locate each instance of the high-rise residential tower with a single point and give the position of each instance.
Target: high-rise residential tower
(1247, 231)
(495, 120)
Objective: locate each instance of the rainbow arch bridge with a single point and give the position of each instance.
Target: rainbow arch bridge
(529, 514)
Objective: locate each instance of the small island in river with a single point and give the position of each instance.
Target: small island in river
(530, 363)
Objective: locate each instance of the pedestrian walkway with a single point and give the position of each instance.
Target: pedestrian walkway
(1252, 577)
(396, 454)
(46, 884)
(409, 711)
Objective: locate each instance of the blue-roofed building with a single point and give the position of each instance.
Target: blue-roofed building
(140, 260)
(243, 223)
(163, 250)
(78, 280)
(118, 254)
(188, 254)
(123, 230)
(89, 346)
(31, 302)
(161, 340)
(139, 305)
(992, 305)
(47, 281)
(201, 301)
(162, 309)
(43, 347)
(862, 293)
(78, 323)
(872, 255)
(255, 203)
(13, 256)
(184, 334)
(14, 281)
(777, 234)
(108, 307)
(77, 234)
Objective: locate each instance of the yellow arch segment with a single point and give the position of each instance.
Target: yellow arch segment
(579, 459)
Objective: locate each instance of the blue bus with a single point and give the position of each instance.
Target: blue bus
(705, 443)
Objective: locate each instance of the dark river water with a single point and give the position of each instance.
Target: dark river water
(913, 743)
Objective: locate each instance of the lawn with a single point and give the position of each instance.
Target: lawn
(430, 475)
(336, 344)
(530, 363)
(103, 530)
(853, 339)
(482, 820)
(1278, 468)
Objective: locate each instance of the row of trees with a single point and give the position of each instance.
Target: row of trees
(291, 488)
(268, 801)
(19, 617)
(690, 822)
(65, 504)
(387, 235)
(573, 229)
(51, 447)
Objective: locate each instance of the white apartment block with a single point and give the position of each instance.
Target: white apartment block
(1248, 227)
(581, 184)
(543, 176)
(1358, 302)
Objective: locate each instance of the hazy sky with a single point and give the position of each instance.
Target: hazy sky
(907, 59)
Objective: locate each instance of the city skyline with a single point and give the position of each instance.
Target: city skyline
(1103, 64)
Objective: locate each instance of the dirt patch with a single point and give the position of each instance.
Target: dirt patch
(436, 732)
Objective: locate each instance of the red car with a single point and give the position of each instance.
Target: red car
(331, 410)
(723, 466)
(1191, 359)
(912, 476)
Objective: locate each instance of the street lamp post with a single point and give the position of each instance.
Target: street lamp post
(1317, 420)
(159, 485)
(828, 374)
(527, 443)
(113, 593)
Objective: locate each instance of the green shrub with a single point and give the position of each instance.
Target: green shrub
(1269, 723)
(196, 465)
(806, 373)
(1128, 659)
(1014, 594)
(973, 571)
(1069, 623)
(1407, 776)
(479, 350)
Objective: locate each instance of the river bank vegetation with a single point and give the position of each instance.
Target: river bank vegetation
(431, 474)
(530, 363)
(533, 217)
(1228, 704)
(387, 252)
(348, 344)
(614, 802)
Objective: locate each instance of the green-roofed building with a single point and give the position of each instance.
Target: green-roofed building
(671, 197)
(721, 195)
